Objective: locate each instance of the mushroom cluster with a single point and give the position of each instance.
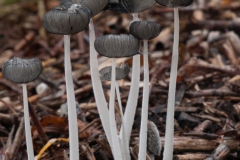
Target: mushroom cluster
(72, 17)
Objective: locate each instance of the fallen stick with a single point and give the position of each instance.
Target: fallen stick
(198, 144)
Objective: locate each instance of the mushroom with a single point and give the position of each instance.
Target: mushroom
(95, 7)
(118, 46)
(121, 73)
(131, 6)
(23, 71)
(145, 31)
(154, 146)
(68, 19)
(168, 145)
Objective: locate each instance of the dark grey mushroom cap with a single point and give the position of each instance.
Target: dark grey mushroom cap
(121, 72)
(95, 6)
(130, 6)
(144, 30)
(116, 46)
(66, 21)
(22, 70)
(153, 139)
(174, 3)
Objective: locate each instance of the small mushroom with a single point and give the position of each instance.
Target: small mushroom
(116, 46)
(130, 6)
(121, 72)
(153, 139)
(64, 111)
(23, 71)
(67, 19)
(144, 30)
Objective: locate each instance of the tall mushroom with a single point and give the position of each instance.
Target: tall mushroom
(145, 31)
(131, 6)
(168, 145)
(116, 46)
(68, 19)
(121, 73)
(96, 7)
(23, 71)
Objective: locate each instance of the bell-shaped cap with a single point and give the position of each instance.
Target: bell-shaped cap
(121, 72)
(66, 21)
(95, 6)
(116, 46)
(174, 3)
(22, 70)
(144, 30)
(130, 6)
(153, 140)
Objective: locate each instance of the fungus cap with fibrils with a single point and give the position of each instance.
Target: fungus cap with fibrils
(66, 20)
(153, 139)
(116, 46)
(22, 70)
(121, 72)
(130, 6)
(174, 3)
(94, 6)
(144, 30)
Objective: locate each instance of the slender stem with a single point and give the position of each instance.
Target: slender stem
(27, 124)
(97, 85)
(135, 16)
(133, 94)
(124, 143)
(151, 156)
(144, 115)
(71, 103)
(169, 134)
(115, 141)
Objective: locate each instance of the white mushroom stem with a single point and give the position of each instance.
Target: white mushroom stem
(116, 149)
(97, 85)
(124, 143)
(144, 115)
(29, 143)
(151, 156)
(71, 103)
(169, 134)
(133, 94)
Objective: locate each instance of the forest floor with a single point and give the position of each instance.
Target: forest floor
(207, 111)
